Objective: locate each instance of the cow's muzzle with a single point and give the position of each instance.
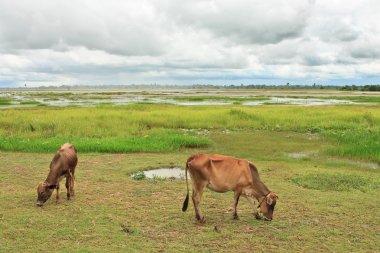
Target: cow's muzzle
(261, 216)
(39, 203)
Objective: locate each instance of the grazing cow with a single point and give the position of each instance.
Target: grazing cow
(62, 165)
(223, 173)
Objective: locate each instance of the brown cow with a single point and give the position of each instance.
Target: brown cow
(223, 173)
(62, 165)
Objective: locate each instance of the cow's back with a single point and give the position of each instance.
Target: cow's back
(68, 155)
(221, 162)
(223, 172)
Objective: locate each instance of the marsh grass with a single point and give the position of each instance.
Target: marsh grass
(160, 143)
(29, 102)
(5, 101)
(219, 98)
(363, 143)
(326, 204)
(99, 129)
(336, 182)
(358, 99)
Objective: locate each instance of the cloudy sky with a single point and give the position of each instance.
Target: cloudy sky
(92, 42)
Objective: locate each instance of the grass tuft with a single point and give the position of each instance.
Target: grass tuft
(139, 175)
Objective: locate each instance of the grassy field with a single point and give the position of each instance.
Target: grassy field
(323, 162)
(161, 127)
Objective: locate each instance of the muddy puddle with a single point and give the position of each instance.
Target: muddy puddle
(161, 173)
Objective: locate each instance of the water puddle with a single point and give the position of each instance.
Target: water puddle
(300, 101)
(161, 173)
(301, 155)
(298, 155)
(372, 166)
(92, 99)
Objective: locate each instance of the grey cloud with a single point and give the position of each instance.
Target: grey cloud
(278, 54)
(245, 21)
(366, 53)
(366, 47)
(114, 27)
(315, 60)
(333, 29)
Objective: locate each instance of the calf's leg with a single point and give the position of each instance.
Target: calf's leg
(57, 197)
(72, 184)
(68, 183)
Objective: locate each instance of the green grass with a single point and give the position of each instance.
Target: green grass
(363, 144)
(114, 213)
(30, 102)
(327, 197)
(336, 182)
(160, 143)
(5, 101)
(358, 99)
(355, 127)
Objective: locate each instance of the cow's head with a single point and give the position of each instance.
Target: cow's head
(266, 206)
(44, 191)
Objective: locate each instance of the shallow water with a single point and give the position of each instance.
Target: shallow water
(91, 99)
(298, 155)
(300, 101)
(177, 173)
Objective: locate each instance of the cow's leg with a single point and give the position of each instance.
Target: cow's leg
(237, 194)
(57, 197)
(68, 179)
(251, 200)
(197, 196)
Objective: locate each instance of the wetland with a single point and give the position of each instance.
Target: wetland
(321, 159)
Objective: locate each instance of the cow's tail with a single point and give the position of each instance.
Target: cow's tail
(186, 202)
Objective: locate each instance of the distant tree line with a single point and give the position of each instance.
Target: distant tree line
(361, 88)
(287, 86)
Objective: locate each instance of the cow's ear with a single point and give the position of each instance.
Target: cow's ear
(52, 186)
(269, 200)
(274, 196)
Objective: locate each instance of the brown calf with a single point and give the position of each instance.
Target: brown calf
(223, 173)
(62, 165)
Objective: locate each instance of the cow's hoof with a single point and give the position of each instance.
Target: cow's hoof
(236, 217)
(201, 220)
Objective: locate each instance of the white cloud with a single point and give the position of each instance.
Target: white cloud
(224, 41)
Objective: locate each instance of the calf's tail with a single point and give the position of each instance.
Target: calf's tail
(186, 202)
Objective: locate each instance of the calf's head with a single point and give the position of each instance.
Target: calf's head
(44, 191)
(266, 207)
